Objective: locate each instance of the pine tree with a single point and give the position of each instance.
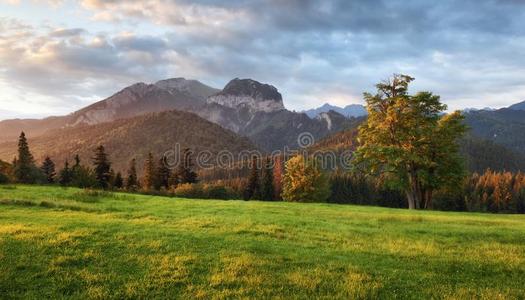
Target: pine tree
(163, 174)
(48, 168)
(149, 173)
(252, 189)
(184, 172)
(102, 167)
(132, 181)
(65, 175)
(267, 187)
(119, 182)
(25, 169)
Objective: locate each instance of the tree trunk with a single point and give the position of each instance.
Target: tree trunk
(414, 195)
(428, 198)
(410, 198)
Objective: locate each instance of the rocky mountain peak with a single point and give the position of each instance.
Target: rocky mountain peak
(251, 94)
(190, 87)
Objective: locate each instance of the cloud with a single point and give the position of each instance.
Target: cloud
(312, 51)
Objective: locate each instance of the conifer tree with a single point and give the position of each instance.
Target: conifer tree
(163, 174)
(278, 177)
(25, 169)
(102, 167)
(184, 172)
(48, 168)
(65, 175)
(119, 182)
(267, 187)
(132, 181)
(252, 189)
(149, 173)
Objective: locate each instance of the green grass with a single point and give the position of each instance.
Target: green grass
(70, 243)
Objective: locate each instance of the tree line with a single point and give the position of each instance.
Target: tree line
(157, 174)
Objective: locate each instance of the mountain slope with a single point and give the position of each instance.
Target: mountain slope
(505, 127)
(125, 139)
(137, 99)
(518, 106)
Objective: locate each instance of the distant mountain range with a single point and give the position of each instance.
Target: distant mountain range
(352, 110)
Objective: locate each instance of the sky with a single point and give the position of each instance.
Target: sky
(57, 56)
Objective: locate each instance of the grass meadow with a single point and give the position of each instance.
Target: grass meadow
(71, 243)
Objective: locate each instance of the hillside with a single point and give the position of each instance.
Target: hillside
(505, 127)
(133, 138)
(480, 154)
(58, 242)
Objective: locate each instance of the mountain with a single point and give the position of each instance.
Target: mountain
(518, 106)
(249, 94)
(137, 99)
(256, 110)
(505, 127)
(134, 137)
(244, 106)
(352, 110)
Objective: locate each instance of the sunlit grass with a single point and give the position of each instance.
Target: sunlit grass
(65, 242)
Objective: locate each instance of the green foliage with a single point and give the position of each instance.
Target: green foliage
(65, 175)
(253, 187)
(25, 169)
(184, 172)
(304, 181)
(267, 187)
(102, 167)
(5, 172)
(48, 169)
(407, 142)
(355, 188)
(132, 183)
(163, 174)
(204, 191)
(118, 183)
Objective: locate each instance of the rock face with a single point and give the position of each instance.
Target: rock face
(249, 94)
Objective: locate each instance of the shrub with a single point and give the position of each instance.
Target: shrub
(189, 190)
(3, 178)
(205, 191)
(304, 181)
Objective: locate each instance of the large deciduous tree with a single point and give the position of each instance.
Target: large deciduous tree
(409, 141)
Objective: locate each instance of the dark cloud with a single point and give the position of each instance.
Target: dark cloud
(313, 51)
